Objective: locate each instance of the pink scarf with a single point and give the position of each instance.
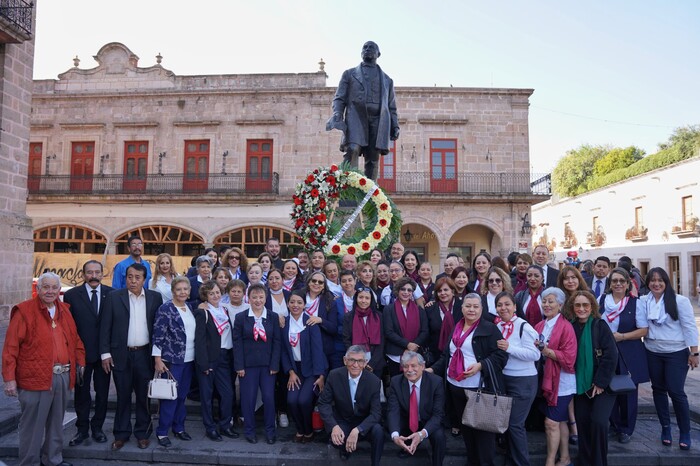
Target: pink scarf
(533, 313)
(563, 342)
(447, 327)
(409, 323)
(456, 369)
(366, 334)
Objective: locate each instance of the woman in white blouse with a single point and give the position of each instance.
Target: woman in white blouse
(163, 276)
(672, 347)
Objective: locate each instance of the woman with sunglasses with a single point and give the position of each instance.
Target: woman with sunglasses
(363, 326)
(405, 324)
(237, 264)
(672, 347)
(389, 295)
(619, 309)
(497, 281)
(322, 311)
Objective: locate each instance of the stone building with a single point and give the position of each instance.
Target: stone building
(650, 218)
(189, 161)
(16, 68)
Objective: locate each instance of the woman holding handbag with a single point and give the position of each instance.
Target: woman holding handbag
(596, 361)
(619, 309)
(557, 344)
(173, 351)
(464, 361)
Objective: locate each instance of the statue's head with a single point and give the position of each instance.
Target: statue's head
(370, 51)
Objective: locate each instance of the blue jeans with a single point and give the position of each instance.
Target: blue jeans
(667, 372)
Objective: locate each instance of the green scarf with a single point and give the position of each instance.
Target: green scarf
(584, 359)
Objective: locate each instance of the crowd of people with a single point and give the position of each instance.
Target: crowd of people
(378, 348)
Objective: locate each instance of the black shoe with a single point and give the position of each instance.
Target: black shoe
(344, 454)
(252, 439)
(230, 433)
(164, 442)
(183, 435)
(214, 435)
(99, 436)
(78, 439)
(271, 440)
(624, 438)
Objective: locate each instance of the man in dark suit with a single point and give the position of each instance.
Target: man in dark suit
(598, 283)
(350, 408)
(86, 304)
(126, 328)
(416, 407)
(540, 256)
(364, 108)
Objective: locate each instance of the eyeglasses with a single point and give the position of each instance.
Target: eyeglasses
(618, 281)
(352, 362)
(582, 305)
(234, 258)
(495, 280)
(313, 281)
(406, 288)
(395, 270)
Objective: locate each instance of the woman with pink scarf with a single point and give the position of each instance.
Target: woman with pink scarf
(474, 341)
(558, 345)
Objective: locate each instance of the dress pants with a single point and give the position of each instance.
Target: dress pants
(300, 402)
(437, 439)
(41, 422)
(480, 444)
(258, 377)
(668, 372)
(375, 436)
(83, 398)
(593, 420)
(133, 378)
(523, 391)
(624, 413)
(173, 412)
(220, 378)
(281, 391)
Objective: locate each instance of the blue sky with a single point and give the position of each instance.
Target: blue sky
(604, 72)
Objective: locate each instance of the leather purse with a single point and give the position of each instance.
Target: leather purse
(485, 411)
(162, 388)
(621, 383)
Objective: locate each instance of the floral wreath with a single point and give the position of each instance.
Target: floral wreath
(315, 200)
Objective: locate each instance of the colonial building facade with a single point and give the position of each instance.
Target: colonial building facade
(652, 218)
(193, 161)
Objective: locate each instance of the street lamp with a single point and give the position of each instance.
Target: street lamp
(408, 235)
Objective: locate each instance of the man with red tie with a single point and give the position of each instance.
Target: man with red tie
(416, 407)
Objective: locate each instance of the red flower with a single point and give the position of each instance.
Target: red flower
(311, 221)
(313, 240)
(298, 201)
(334, 167)
(331, 180)
(335, 249)
(376, 235)
(300, 222)
(316, 171)
(376, 192)
(363, 181)
(382, 222)
(322, 204)
(384, 206)
(309, 179)
(322, 230)
(351, 250)
(314, 192)
(321, 217)
(365, 246)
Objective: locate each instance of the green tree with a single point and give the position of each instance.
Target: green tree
(574, 171)
(617, 158)
(685, 139)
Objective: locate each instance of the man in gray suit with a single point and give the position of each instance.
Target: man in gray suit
(364, 108)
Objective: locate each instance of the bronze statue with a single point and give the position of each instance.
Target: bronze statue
(364, 109)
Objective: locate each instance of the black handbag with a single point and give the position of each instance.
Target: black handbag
(621, 383)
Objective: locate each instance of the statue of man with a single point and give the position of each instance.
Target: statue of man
(364, 108)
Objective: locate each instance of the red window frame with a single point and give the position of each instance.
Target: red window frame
(135, 165)
(386, 178)
(259, 165)
(443, 165)
(34, 166)
(82, 164)
(196, 178)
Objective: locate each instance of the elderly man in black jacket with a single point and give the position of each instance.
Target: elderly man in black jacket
(364, 108)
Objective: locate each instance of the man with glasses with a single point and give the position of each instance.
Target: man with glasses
(350, 408)
(135, 244)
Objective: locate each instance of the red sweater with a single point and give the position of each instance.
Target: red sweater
(28, 355)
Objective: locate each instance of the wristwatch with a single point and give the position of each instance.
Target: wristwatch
(695, 354)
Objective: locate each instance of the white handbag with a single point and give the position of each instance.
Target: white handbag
(162, 389)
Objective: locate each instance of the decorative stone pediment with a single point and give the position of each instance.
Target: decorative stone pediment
(116, 58)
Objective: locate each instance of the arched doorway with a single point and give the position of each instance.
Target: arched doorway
(423, 240)
(472, 239)
(176, 241)
(252, 240)
(69, 238)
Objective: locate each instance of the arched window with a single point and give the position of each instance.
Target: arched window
(157, 239)
(252, 240)
(69, 238)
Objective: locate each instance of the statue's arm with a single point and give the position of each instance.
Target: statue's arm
(392, 111)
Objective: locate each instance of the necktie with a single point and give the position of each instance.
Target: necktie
(598, 284)
(353, 390)
(413, 410)
(93, 302)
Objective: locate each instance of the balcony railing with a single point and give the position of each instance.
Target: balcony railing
(18, 15)
(469, 183)
(155, 184)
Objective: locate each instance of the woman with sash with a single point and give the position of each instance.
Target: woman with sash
(363, 326)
